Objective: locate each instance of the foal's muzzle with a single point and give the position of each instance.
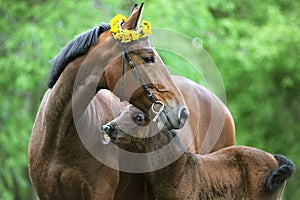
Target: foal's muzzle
(109, 133)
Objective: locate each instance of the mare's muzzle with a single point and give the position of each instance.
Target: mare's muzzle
(183, 115)
(173, 119)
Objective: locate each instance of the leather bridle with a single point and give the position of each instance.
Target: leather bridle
(126, 56)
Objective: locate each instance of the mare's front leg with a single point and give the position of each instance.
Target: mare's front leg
(73, 184)
(107, 181)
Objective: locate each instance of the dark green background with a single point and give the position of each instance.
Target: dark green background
(255, 45)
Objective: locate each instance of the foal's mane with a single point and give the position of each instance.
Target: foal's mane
(75, 48)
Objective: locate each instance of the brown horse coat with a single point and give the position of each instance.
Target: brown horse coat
(210, 122)
(209, 127)
(237, 172)
(60, 165)
(127, 185)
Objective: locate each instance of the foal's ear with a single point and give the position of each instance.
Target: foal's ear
(134, 19)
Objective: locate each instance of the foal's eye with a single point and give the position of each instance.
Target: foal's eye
(148, 59)
(139, 118)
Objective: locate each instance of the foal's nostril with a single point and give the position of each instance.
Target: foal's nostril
(108, 128)
(112, 128)
(183, 115)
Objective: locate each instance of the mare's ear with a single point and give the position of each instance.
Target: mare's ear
(134, 19)
(134, 7)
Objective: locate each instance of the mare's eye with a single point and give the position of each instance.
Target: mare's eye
(148, 59)
(139, 118)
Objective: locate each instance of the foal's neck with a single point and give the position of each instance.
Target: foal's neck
(165, 180)
(153, 143)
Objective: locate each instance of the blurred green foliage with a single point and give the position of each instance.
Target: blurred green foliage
(255, 44)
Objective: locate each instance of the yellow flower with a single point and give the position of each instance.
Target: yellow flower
(116, 22)
(135, 35)
(146, 26)
(125, 35)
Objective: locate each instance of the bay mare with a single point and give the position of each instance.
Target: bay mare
(104, 107)
(60, 165)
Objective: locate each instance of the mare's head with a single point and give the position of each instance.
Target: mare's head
(150, 70)
(131, 124)
(108, 62)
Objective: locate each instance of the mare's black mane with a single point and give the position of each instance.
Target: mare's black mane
(77, 47)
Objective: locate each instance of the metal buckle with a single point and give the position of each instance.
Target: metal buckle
(157, 113)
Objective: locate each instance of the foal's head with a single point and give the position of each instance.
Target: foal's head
(131, 123)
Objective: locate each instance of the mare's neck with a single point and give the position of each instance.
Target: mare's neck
(72, 93)
(81, 79)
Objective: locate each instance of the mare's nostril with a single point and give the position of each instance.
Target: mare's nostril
(183, 115)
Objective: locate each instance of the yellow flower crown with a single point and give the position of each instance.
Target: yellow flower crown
(125, 35)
